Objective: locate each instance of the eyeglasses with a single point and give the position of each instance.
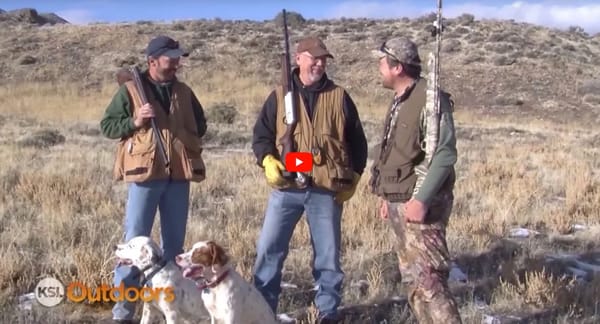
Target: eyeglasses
(388, 51)
(314, 59)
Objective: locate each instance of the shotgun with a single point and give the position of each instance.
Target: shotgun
(432, 107)
(291, 117)
(133, 74)
(432, 118)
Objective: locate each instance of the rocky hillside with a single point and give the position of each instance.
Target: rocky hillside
(490, 66)
(30, 16)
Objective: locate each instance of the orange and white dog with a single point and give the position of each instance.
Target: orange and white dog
(227, 296)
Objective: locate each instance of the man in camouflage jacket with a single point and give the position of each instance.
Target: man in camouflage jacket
(416, 196)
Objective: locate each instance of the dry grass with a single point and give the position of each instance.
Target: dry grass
(522, 165)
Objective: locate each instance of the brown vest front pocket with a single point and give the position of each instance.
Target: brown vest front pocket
(138, 161)
(193, 166)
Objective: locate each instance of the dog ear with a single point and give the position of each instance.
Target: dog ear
(149, 254)
(201, 256)
(218, 256)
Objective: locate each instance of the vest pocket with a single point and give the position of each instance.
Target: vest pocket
(193, 165)
(397, 184)
(138, 160)
(119, 156)
(341, 177)
(339, 174)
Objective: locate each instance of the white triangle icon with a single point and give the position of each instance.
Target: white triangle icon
(298, 161)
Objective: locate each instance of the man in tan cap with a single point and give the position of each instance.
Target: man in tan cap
(330, 133)
(415, 196)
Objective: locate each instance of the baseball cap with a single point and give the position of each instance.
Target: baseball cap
(401, 49)
(164, 45)
(314, 46)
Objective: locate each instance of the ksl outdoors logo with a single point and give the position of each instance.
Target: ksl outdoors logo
(50, 292)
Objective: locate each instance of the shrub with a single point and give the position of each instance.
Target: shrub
(452, 45)
(502, 60)
(499, 48)
(465, 19)
(178, 26)
(294, 19)
(591, 86)
(472, 58)
(461, 30)
(221, 113)
(592, 99)
(42, 139)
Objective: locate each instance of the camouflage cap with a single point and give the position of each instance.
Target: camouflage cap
(401, 49)
(314, 46)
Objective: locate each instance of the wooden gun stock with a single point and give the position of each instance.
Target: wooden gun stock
(133, 74)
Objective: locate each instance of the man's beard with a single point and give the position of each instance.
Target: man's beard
(314, 76)
(167, 74)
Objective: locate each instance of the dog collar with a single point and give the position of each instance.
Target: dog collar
(204, 287)
(154, 271)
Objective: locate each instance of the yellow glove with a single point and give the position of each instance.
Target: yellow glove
(345, 195)
(273, 168)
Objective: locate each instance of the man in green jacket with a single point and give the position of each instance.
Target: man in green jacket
(416, 196)
(154, 183)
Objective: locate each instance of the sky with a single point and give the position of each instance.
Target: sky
(551, 13)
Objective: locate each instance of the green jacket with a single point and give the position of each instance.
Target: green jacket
(117, 121)
(442, 164)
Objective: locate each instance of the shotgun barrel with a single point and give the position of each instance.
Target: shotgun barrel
(291, 117)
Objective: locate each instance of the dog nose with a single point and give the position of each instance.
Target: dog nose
(114, 247)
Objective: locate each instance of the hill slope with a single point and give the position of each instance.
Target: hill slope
(499, 67)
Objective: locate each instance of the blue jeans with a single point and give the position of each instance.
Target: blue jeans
(171, 198)
(324, 220)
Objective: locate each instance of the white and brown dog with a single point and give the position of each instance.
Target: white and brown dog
(227, 296)
(187, 305)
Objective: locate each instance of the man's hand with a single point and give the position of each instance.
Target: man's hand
(273, 168)
(415, 211)
(146, 112)
(383, 208)
(345, 195)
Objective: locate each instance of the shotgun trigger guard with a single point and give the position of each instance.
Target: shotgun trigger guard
(300, 179)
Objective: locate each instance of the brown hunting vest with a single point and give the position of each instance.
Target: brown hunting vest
(394, 174)
(138, 156)
(323, 137)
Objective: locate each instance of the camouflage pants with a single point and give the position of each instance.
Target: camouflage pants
(423, 256)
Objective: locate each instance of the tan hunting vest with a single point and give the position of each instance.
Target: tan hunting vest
(323, 137)
(138, 156)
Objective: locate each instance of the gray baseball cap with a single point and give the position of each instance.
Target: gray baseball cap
(400, 49)
(164, 45)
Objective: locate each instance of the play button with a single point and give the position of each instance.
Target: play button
(298, 162)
